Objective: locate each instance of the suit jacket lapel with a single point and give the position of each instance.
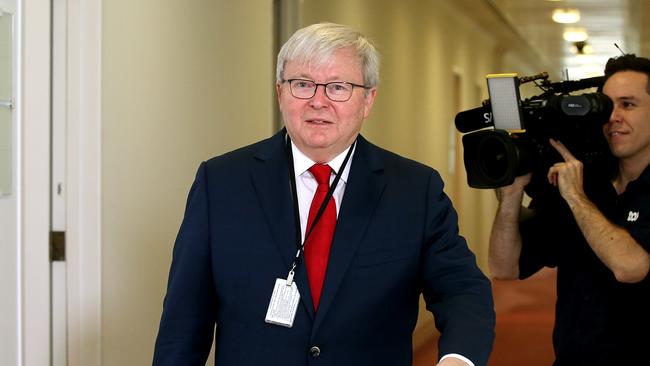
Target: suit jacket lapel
(270, 176)
(362, 192)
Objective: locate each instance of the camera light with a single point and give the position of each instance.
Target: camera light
(566, 16)
(504, 101)
(575, 35)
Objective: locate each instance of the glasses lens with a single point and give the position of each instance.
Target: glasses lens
(339, 92)
(302, 88)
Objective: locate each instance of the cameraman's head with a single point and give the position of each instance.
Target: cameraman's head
(627, 83)
(628, 62)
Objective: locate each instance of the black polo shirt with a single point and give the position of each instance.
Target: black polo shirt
(599, 321)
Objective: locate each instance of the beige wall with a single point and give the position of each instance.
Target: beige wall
(425, 45)
(182, 81)
(435, 55)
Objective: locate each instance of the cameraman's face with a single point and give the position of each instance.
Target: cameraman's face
(628, 129)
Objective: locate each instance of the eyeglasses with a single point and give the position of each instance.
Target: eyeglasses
(337, 91)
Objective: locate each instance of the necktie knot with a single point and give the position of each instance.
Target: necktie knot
(322, 174)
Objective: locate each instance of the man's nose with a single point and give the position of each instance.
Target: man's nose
(320, 97)
(615, 116)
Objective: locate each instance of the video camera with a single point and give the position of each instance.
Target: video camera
(509, 137)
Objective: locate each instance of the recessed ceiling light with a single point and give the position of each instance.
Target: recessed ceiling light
(566, 16)
(575, 35)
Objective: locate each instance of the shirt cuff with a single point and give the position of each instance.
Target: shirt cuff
(455, 355)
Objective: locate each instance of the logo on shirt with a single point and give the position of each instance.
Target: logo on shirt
(632, 216)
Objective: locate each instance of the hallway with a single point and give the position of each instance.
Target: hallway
(525, 313)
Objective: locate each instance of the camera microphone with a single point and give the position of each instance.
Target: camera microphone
(474, 119)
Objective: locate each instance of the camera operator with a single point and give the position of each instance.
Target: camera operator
(596, 231)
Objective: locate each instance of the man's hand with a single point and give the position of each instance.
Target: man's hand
(515, 190)
(505, 240)
(567, 175)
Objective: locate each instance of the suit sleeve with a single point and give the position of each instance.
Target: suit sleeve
(455, 290)
(189, 308)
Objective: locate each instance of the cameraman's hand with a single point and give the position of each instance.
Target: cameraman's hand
(515, 191)
(567, 175)
(628, 260)
(505, 239)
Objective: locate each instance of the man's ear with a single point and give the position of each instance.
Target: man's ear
(278, 93)
(369, 101)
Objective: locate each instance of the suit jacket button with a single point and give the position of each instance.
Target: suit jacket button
(314, 351)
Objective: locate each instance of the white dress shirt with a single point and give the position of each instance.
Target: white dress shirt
(306, 183)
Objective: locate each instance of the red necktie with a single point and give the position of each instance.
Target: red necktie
(317, 248)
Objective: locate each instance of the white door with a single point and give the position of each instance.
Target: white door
(24, 182)
(9, 249)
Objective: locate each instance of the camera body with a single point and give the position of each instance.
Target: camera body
(508, 137)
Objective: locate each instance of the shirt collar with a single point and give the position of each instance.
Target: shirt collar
(302, 163)
(645, 175)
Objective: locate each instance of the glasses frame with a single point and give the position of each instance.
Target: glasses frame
(290, 81)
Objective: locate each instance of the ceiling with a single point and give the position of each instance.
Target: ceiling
(607, 22)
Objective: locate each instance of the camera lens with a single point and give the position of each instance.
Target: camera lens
(493, 158)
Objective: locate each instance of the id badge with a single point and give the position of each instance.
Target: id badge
(283, 304)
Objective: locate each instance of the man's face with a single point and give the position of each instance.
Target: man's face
(319, 127)
(628, 129)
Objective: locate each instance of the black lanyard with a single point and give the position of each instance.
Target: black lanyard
(292, 178)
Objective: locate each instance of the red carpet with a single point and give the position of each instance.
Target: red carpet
(525, 313)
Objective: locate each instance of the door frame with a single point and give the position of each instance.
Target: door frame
(83, 206)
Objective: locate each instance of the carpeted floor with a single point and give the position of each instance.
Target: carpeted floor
(525, 313)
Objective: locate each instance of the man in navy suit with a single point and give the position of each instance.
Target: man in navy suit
(240, 261)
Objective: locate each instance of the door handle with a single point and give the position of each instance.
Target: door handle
(6, 103)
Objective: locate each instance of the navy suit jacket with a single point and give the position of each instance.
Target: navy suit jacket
(396, 238)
